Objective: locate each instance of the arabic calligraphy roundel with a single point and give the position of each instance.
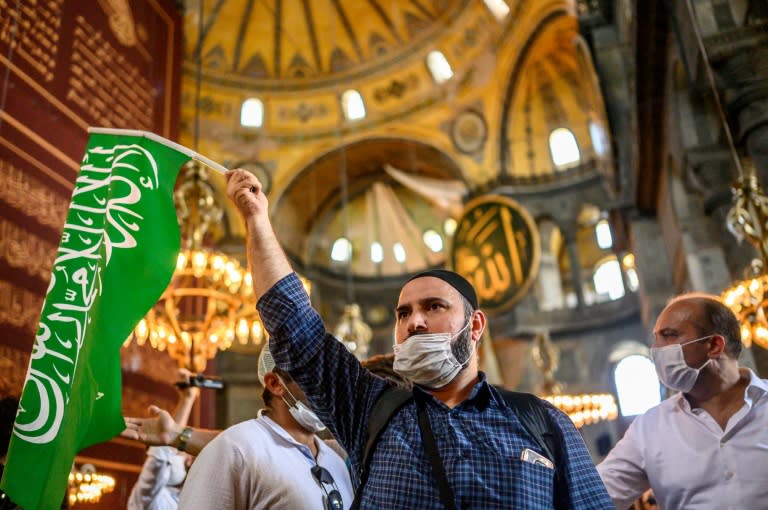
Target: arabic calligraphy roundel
(496, 247)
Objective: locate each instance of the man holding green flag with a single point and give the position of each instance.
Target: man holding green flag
(116, 257)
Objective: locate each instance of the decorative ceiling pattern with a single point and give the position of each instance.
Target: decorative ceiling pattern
(555, 86)
(514, 80)
(300, 80)
(300, 44)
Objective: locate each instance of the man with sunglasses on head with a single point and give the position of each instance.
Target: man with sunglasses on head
(488, 458)
(707, 446)
(272, 462)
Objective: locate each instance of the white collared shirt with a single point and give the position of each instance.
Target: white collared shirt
(257, 465)
(689, 461)
(151, 491)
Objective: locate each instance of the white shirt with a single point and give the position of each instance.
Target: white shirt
(257, 465)
(151, 491)
(689, 461)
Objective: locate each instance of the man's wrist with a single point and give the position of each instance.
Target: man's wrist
(190, 393)
(251, 220)
(180, 443)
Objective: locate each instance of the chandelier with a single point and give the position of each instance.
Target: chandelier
(353, 332)
(582, 409)
(748, 218)
(86, 485)
(210, 302)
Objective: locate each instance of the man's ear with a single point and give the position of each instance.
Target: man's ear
(273, 384)
(479, 322)
(717, 346)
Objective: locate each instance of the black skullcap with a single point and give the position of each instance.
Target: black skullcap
(455, 280)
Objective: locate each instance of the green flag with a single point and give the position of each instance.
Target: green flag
(116, 257)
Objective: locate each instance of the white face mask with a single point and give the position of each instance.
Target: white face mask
(303, 415)
(428, 360)
(672, 369)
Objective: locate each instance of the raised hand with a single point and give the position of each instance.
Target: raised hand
(245, 190)
(188, 392)
(159, 430)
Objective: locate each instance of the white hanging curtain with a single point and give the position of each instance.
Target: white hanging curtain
(443, 193)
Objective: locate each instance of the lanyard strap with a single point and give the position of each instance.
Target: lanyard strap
(446, 493)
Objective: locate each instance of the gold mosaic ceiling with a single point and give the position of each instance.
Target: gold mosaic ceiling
(515, 80)
(299, 56)
(295, 45)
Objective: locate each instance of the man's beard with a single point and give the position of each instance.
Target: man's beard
(462, 347)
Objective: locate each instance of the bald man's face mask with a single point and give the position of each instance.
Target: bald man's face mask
(428, 359)
(672, 369)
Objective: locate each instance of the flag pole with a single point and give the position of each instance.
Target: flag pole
(152, 136)
(210, 163)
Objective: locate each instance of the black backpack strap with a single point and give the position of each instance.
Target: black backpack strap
(430, 445)
(388, 403)
(533, 415)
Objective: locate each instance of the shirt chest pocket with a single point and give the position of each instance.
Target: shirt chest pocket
(537, 474)
(533, 484)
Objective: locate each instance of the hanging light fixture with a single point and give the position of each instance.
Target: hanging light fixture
(351, 329)
(210, 302)
(748, 219)
(582, 409)
(86, 485)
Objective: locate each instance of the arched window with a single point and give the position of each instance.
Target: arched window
(439, 67)
(449, 226)
(564, 149)
(341, 251)
(594, 239)
(607, 279)
(637, 385)
(352, 105)
(377, 252)
(252, 113)
(498, 8)
(398, 250)
(433, 240)
(603, 234)
(599, 139)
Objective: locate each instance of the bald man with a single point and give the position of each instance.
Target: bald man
(707, 446)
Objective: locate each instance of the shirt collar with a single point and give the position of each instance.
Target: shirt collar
(280, 432)
(480, 396)
(755, 390)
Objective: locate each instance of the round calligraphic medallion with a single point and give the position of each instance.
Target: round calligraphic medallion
(469, 131)
(496, 247)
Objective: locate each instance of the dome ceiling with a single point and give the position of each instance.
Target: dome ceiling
(554, 86)
(295, 45)
(515, 80)
(299, 56)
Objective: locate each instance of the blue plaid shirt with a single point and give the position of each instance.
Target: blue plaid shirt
(480, 440)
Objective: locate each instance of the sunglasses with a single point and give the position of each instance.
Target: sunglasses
(332, 499)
